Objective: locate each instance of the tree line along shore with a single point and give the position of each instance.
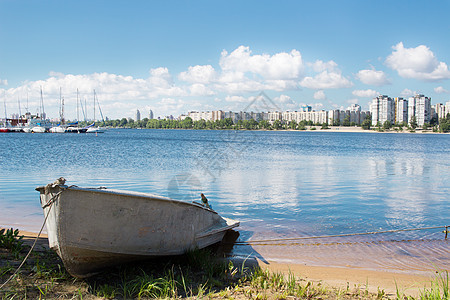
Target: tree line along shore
(442, 126)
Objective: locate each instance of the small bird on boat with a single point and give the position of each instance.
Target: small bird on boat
(205, 200)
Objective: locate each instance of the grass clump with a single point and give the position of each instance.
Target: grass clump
(10, 240)
(439, 288)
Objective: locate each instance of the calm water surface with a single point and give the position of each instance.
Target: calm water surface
(278, 184)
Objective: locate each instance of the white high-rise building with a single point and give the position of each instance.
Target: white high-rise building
(420, 107)
(217, 115)
(447, 109)
(382, 109)
(150, 115)
(401, 110)
(354, 107)
(333, 117)
(138, 115)
(274, 116)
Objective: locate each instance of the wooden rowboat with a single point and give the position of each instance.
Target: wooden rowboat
(93, 228)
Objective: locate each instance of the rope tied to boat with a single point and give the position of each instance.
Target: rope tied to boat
(269, 241)
(56, 196)
(48, 204)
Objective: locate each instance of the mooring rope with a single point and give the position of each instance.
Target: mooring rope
(338, 235)
(48, 204)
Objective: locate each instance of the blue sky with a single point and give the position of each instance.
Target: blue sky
(176, 56)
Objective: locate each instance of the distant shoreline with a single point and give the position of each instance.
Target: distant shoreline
(343, 129)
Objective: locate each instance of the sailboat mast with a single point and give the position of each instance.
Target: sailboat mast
(42, 104)
(100, 109)
(94, 106)
(60, 107)
(20, 113)
(78, 108)
(6, 116)
(62, 112)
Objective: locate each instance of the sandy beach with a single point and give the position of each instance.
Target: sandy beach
(333, 277)
(356, 278)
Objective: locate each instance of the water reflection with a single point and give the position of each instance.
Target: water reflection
(278, 184)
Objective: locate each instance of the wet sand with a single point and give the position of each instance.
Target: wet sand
(342, 278)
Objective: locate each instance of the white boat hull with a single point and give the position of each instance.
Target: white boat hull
(57, 129)
(94, 228)
(95, 130)
(38, 129)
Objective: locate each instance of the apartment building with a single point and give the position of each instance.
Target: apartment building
(401, 110)
(382, 109)
(305, 114)
(420, 107)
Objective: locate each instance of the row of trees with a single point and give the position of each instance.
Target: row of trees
(443, 125)
(188, 123)
(228, 123)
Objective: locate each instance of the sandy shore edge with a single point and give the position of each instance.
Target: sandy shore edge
(331, 277)
(351, 278)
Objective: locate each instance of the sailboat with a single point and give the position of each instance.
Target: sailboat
(60, 128)
(92, 128)
(5, 128)
(41, 124)
(73, 127)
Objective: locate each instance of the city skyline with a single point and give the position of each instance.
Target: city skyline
(174, 57)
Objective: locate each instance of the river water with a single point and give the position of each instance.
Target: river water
(279, 184)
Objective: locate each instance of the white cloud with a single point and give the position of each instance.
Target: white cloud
(199, 74)
(407, 93)
(418, 63)
(56, 74)
(285, 102)
(320, 66)
(441, 90)
(353, 101)
(365, 93)
(317, 106)
(285, 99)
(160, 77)
(198, 89)
(372, 77)
(238, 87)
(326, 80)
(170, 106)
(239, 99)
(320, 95)
(3, 82)
(278, 66)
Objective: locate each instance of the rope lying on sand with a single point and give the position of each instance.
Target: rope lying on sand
(339, 235)
(48, 204)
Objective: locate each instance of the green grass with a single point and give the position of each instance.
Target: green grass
(198, 274)
(439, 288)
(10, 240)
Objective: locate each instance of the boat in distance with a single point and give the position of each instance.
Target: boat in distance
(94, 228)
